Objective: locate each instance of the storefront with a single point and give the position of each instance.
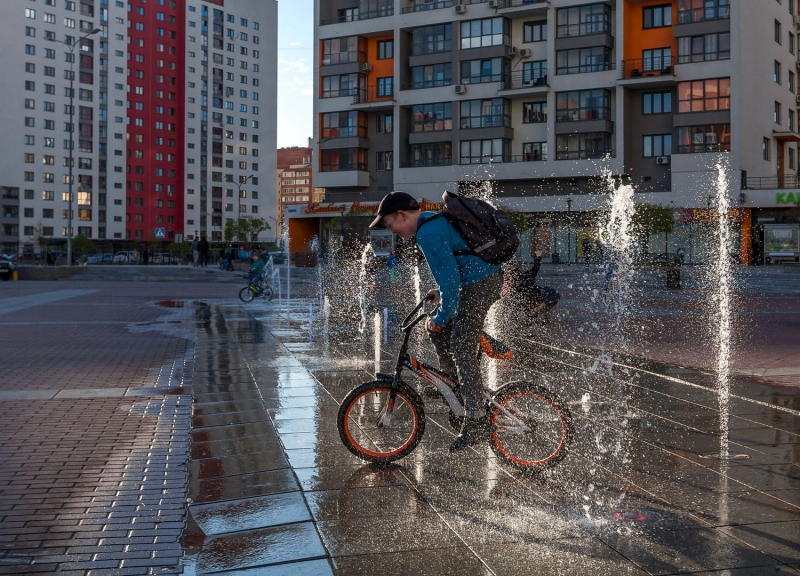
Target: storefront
(340, 223)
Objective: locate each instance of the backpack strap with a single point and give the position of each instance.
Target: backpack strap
(468, 252)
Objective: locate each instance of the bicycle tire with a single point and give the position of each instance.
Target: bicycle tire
(267, 293)
(246, 295)
(549, 441)
(358, 422)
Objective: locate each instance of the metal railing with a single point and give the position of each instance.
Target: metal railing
(426, 162)
(373, 94)
(423, 6)
(585, 68)
(770, 182)
(700, 148)
(515, 3)
(583, 114)
(356, 16)
(704, 14)
(343, 57)
(585, 154)
(647, 67)
(344, 167)
(489, 159)
(525, 79)
(585, 29)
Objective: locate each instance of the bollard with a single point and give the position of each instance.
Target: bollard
(15, 276)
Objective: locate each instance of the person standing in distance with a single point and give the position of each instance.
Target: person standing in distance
(467, 288)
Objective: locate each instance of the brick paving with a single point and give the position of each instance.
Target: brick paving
(92, 484)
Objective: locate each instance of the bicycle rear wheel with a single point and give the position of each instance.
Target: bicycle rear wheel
(246, 294)
(544, 439)
(363, 425)
(266, 292)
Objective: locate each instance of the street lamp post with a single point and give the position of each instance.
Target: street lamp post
(569, 230)
(277, 228)
(72, 134)
(239, 197)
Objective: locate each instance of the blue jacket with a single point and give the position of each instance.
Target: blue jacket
(439, 241)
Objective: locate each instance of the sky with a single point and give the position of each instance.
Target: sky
(295, 77)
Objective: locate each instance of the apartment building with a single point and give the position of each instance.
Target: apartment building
(543, 97)
(142, 163)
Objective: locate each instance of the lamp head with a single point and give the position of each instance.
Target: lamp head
(95, 31)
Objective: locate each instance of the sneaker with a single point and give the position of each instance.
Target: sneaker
(473, 430)
(431, 391)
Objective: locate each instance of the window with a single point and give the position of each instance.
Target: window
(791, 159)
(711, 138)
(776, 72)
(432, 39)
(766, 145)
(48, 195)
(30, 31)
(485, 113)
(657, 59)
(30, 67)
(534, 151)
(705, 47)
(704, 95)
(587, 145)
(485, 32)
(791, 84)
(342, 85)
(791, 43)
(30, 49)
(344, 125)
(776, 116)
(432, 75)
(534, 31)
(778, 32)
(484, 151)
(432, 154)
(432, 117)
(534, 112)
(384, 123)
(385, 87)
(700, 10)
(480, 71)
(657, 16)
(30, 13)
(344, 159)
(583, 20)
(580, 60)
(385, 49)
(582, 105)
(791, 120)
(658, 145)
(384, 161)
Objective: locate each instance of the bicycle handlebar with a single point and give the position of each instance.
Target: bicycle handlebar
(407, 323)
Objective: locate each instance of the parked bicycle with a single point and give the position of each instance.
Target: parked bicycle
(384, 420)
(257, 288)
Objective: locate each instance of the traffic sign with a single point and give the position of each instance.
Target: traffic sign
(160, 234)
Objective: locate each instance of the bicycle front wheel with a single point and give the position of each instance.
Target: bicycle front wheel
(533, 429)
(375, 431)
(246, 294)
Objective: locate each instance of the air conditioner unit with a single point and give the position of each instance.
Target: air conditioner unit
(365, 67)
(461, 9)
(525, 53)
(495, 4)
(662, 160)
(512, 51)
(461, 89)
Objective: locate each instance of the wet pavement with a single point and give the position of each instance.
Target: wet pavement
(642, 491)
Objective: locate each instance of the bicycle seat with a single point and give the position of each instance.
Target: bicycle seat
(493, 348)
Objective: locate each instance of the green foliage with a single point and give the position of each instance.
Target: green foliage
(178, 247)
(245, 229)
(518, 219)
(651, 219)
(82, 245)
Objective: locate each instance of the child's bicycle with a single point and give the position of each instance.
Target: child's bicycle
(383, 420)
(258, 288)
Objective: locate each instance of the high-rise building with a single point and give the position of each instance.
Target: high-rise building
(174, 124)
(544, 97)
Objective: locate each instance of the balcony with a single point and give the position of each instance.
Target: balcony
(504, 159)
(421, 6)
(374, 97)
(719, 12)
(771, 182)
(426, 162)
(648, 72)
(356, 16)
(525, 83)
(515, 8)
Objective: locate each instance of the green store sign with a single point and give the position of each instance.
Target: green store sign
(787, 197)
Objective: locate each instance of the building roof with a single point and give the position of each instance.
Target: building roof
(293, 156)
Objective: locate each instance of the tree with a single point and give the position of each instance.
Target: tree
(39, 238)
(245, 229)
(82, 245)
(518, 219)
(651, 219)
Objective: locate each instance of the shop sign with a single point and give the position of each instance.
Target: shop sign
(317, 208)
(704, 215)
(787, 198)
(430, 206)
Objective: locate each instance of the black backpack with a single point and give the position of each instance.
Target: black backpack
(487, 230)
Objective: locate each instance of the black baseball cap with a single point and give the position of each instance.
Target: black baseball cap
(392, 203)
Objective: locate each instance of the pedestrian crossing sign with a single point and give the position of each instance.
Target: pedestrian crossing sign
(160, 233)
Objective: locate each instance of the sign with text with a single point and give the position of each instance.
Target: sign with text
(367, 208)
(706, 215)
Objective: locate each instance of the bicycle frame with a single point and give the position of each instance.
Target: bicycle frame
(443, 382)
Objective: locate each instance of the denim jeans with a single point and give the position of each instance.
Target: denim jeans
(458, 345)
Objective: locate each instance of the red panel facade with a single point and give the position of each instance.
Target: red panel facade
(155, 121)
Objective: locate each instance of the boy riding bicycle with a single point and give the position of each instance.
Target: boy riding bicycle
(257, 269)
(468, 286)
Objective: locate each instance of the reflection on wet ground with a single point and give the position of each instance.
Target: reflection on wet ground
(643, 490)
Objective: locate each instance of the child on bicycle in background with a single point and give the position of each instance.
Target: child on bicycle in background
(468, 286)
(257, 269)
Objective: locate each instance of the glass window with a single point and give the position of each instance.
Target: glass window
(432, 39)
(384, 123)
(485, 113)
(700, 10)
(384, 161)
(484, 151)
(583, 20)
(657, 16)
(657, 103)
(344, 50)
(580, 105)
(588, 145)
(534, 112)
(534, 151)
(657, 145)
(344, 125)
(344, 159)
(705, 47)
(385, 49)
(479, 71)
(657, 59)
(485, 32)
(712, 138)
(581, 60)
(432, 75)
(704, 95)
(340, 85)
(534, 31)
(431, 154)
(432, 117)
